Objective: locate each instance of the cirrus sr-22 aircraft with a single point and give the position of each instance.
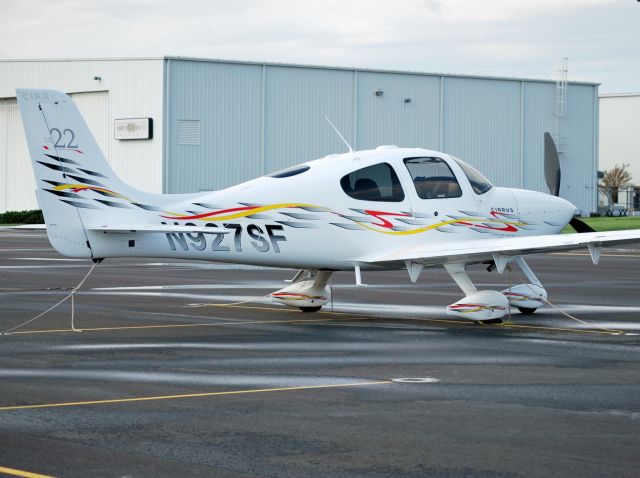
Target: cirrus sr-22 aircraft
(380, 209)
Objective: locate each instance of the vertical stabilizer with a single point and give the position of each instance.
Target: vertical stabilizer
(54, 148)
(76, 187)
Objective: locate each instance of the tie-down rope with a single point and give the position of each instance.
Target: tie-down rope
(566, 314)
(70, 295)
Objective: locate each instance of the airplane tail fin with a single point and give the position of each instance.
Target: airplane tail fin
(76, 187)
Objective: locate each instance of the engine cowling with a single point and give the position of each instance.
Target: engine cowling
(481, 305)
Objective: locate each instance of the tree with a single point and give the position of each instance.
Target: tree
(613, 180)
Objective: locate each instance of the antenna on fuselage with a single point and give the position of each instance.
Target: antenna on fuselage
(338, 133)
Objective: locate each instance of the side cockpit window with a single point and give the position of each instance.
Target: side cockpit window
(478, 182)
(373, 183)
(433, 178)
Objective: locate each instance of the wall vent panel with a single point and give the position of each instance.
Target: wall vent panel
(189, 132)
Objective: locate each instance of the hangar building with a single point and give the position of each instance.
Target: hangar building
(619, 138)
(215, 123)
(620, 143)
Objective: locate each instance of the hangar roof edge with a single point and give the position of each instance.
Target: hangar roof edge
(298, 65)
(614, 95)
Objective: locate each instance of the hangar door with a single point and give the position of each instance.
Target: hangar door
(16, 176)
(17, 185)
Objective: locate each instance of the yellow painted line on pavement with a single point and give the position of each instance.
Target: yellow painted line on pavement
(256, 307)
(325, 319)
(26, 474)
(173, 326)
(193, 395)
(557, 329)
(518, 326)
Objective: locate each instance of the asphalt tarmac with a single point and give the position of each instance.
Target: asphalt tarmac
(167, 378)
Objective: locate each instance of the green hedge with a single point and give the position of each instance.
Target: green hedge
(22, 217)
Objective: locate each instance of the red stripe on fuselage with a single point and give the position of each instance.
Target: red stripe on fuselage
(216, 213)
(384, 222)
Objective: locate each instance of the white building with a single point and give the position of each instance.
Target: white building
(217, 123)
(620, 141)
(620, 132)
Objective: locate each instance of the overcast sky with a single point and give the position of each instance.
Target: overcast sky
(492, 37)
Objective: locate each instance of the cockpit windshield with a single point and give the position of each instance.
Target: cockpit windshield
(479, 183)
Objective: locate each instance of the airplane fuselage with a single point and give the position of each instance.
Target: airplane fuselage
(327, 213)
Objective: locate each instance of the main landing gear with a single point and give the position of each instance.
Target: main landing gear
(307, 291)
(489, 306)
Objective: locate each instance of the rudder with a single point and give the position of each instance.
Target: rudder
(76, 186)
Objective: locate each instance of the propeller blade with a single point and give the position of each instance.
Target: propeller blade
(551, 165)
(580, 226)
(552, 177)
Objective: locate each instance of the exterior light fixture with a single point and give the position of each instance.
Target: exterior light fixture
(407, 100)
(379, 92)
(97, 78)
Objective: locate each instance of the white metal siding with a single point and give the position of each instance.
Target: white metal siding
(620, 133)
(127, 89)
(95, 109)
(17, 184)
(16, 174)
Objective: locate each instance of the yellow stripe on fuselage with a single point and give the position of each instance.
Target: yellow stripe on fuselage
(251, 212)
(93, 188)
(440, 224)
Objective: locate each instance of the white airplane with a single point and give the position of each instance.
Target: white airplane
(387, 208)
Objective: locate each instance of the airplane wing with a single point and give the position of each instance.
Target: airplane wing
(475, 251)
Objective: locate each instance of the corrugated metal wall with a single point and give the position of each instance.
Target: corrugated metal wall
(127, 89)
(259, 118)
(296, 101)
(482, 126)
(227, 104)
(581, 157)
(390, 118)
(538, 118)
(227, 122)
(620, 133)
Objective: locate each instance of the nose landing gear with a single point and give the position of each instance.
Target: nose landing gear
(490, 306)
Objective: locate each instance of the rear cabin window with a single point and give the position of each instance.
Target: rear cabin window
(286, 173)
(373, 183)
(433, 178)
